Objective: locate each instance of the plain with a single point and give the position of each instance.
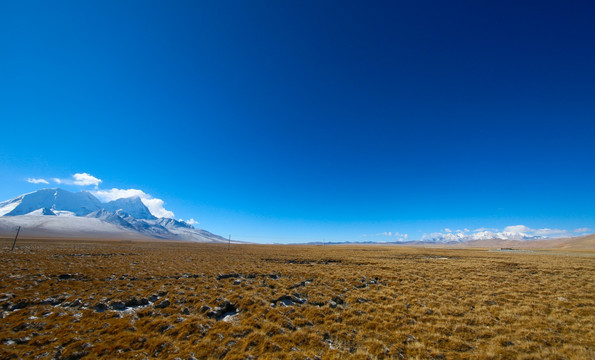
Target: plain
(126, 299)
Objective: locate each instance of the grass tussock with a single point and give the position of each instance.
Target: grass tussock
(182, 300)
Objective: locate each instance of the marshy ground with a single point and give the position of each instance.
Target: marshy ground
(73, 299)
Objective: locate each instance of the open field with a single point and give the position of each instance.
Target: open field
(67, 299)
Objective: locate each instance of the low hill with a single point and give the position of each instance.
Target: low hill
(577, 243)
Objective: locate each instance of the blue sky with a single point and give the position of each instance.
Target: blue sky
(281, 121)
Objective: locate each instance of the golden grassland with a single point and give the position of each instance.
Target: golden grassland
(74, 299)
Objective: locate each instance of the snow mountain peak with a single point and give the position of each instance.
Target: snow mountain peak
(132, 206)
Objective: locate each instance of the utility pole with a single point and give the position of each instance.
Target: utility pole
(229, 243)
(15, 238)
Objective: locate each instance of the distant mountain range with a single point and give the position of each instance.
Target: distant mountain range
(61, 213)
(449, 238)
(458, 237)
(575, 243)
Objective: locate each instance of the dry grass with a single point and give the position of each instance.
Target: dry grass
(339, 302)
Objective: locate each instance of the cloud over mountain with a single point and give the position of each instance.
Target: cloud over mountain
(155, 205)
(84, 179)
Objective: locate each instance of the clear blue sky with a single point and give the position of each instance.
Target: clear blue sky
(292, 120)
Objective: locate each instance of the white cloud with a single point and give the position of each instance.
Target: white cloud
(517, 229)
(191, 221)
(386, 233)
(582, 230)
(484, 229)
(79, 179)
(84, 179)
(157, 209)
(545, 232)
(37, 181)
(114, 194)
(396, 234)
(447, 230)
(154, 205)
(550, 232)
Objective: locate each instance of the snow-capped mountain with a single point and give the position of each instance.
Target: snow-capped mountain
(57, 212)
(132, 206)
(77, 204)
(457, 237)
